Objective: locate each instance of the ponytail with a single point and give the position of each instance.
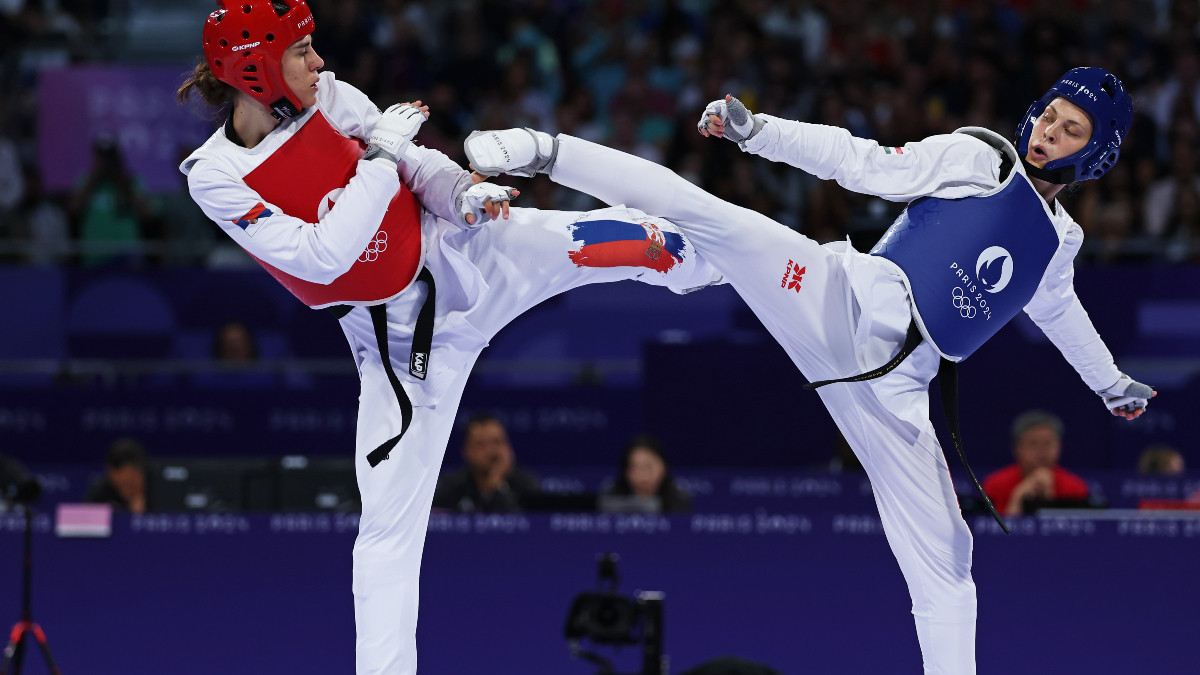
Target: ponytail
(211, 90)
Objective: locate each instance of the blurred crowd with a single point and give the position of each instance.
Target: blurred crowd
(635, 74)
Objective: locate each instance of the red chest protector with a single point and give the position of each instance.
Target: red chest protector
(305, 177)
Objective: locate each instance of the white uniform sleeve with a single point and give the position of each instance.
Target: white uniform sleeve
(950, 166)
(318, 252)
(433, 178)
(1057, 311)
(346, 107)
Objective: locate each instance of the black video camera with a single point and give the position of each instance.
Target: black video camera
(608, 618)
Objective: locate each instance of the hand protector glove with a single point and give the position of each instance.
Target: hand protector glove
(740, 124)
(473, 201)
(1127, 398)
(394, 131)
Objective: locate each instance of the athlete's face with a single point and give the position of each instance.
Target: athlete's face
(646, 472)
(300, 65)
(1038, 447)
(1062, 130)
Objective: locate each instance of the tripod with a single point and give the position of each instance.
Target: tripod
(14, 653)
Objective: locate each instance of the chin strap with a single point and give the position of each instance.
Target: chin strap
(284, 109)
(1063, 176)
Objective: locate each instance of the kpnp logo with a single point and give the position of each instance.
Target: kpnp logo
(418, 364)
(792, 276)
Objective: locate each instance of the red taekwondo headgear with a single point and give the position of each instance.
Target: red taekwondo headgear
(244, 46)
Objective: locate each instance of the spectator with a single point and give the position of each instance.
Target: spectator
(40, 226)
(124, 482)
(645, 476)
(490, 482)
(1183, 231)
(235, 362)
(109, 207)
(1161, 460)
(188, 235)
(1160, 199)
(1036, 476)
(12, 178)
(234, 343)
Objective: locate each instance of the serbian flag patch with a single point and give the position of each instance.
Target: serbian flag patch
(253, 216)
(616, 243)
(893, 151)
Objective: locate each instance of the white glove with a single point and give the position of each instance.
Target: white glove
(394, 131)
(737, 123)
(1127, 398)
(483, 201)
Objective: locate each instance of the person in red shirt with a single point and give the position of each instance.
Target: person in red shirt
(1037, 444)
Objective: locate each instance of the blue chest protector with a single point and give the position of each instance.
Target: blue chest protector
(971, 263)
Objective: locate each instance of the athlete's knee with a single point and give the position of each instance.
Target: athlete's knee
(944, 599)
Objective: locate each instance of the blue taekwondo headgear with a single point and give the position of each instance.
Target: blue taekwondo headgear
(1102, 96)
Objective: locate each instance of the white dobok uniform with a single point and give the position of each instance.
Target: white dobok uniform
(339, 231)
(838, 312)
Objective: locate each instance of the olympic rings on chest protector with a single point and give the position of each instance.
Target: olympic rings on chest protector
(962, 302)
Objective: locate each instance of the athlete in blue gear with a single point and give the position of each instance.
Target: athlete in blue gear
(982, 238)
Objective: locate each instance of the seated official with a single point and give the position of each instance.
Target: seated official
(645, 483)
(1036, 478)
(491, 482)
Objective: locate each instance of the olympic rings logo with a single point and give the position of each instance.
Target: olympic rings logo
(962, 302)
(378, 245)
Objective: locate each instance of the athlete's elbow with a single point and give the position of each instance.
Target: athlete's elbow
(325, 270)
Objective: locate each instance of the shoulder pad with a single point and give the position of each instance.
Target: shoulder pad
(1000, 143)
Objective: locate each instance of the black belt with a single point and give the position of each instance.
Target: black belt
(418, 360)
(948, 383)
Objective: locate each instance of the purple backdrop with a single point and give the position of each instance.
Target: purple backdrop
(804, 592)
(134, 104)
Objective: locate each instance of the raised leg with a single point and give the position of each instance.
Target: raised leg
(536, 255)
(796, 287)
